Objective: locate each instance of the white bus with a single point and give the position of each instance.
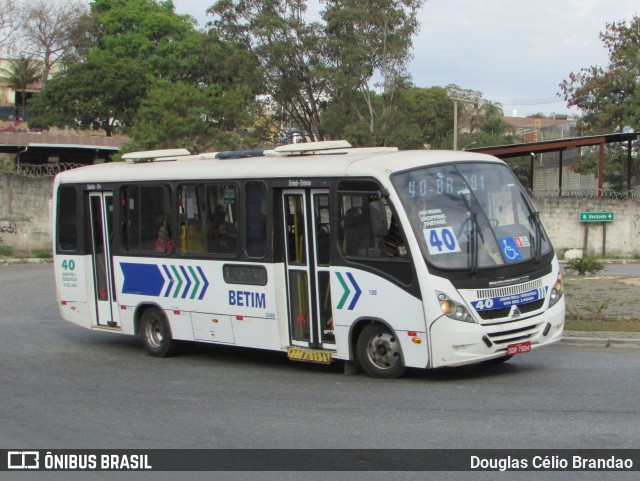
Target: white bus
(381, 258)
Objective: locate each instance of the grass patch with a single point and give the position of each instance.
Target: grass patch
(6, 251)
(43, 255)
(600, 325)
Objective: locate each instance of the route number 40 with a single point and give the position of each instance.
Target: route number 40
(68, 265)
(441, 240)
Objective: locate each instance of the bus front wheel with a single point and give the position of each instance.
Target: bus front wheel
(379, 352)
(156, 333)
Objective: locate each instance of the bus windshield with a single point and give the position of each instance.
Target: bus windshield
(471, 216)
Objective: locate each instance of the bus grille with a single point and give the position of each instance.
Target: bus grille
(515, 335)
(509, 290)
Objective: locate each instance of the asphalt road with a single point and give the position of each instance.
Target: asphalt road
(66, 387)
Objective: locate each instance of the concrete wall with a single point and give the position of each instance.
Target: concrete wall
(25, 219)
(560, 216)
(25, 213)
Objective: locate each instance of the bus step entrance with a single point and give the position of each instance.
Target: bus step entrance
(309, 355)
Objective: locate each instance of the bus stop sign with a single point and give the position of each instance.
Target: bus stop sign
(596, 216)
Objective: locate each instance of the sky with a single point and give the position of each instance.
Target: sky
(515, 53)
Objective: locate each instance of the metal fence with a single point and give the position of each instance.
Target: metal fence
(587, 194)
(45, 170)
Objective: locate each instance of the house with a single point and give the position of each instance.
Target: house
(10, 99)
(534, 129)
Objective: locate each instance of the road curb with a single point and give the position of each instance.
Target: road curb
(28, 260)
(624, 343)
(585, 341)
(600, 342)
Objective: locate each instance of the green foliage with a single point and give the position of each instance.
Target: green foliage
(367, 38)
(584, 265)
(610, 97)
(289, 51)
(43, 254)
(424, 118)
(103, 92)
(615, 164)
(198, 119)
(6, 251)
(596, 309)
(131, 52)
(7, 163)
(143, 70)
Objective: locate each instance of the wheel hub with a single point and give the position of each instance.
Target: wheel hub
(384, 351)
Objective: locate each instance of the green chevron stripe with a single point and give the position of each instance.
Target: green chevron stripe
(347, 291)
(179, 280)
(197, 279)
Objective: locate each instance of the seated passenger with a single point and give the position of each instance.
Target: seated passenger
(163, 242)
(224, 243)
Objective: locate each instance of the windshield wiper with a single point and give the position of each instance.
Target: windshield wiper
(534, 218)
(473, 234)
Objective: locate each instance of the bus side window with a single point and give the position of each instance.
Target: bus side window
(368, 228)
(67, 219)
(256, 219)
(145, 209)
(222, 218)
(190, 218)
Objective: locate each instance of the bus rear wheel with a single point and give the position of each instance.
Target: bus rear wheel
(379, 352)
(156, 333)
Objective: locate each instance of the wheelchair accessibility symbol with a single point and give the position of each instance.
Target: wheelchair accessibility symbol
(510, 250)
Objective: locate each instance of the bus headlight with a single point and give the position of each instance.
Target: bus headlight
(556, 291)
(453, 309)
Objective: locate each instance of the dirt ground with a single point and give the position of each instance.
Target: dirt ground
(603, 298)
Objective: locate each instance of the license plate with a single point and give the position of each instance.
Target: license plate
(519, 348)
(309, 355)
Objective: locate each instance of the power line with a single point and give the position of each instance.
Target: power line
(543, 101)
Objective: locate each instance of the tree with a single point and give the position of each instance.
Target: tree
(104, 93)
(367, 39)
(289, 51)
(22, 74)
(46, 31)
(609, 98)
(196, 118)
(8, 23)
(144, 70)
(424, 119)
(339, 121)
(148, 32)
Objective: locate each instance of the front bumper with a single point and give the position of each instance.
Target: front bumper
(456, 343)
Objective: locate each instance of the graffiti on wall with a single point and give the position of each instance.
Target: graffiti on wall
(636, 224)
(7, 228)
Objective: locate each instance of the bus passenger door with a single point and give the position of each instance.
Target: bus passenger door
(307, 230)
(101, 211)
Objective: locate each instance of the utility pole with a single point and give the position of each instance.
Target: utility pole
(455, 117)
(455, 123)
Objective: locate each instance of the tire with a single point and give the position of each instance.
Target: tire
(156, 334)
(379, 352)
